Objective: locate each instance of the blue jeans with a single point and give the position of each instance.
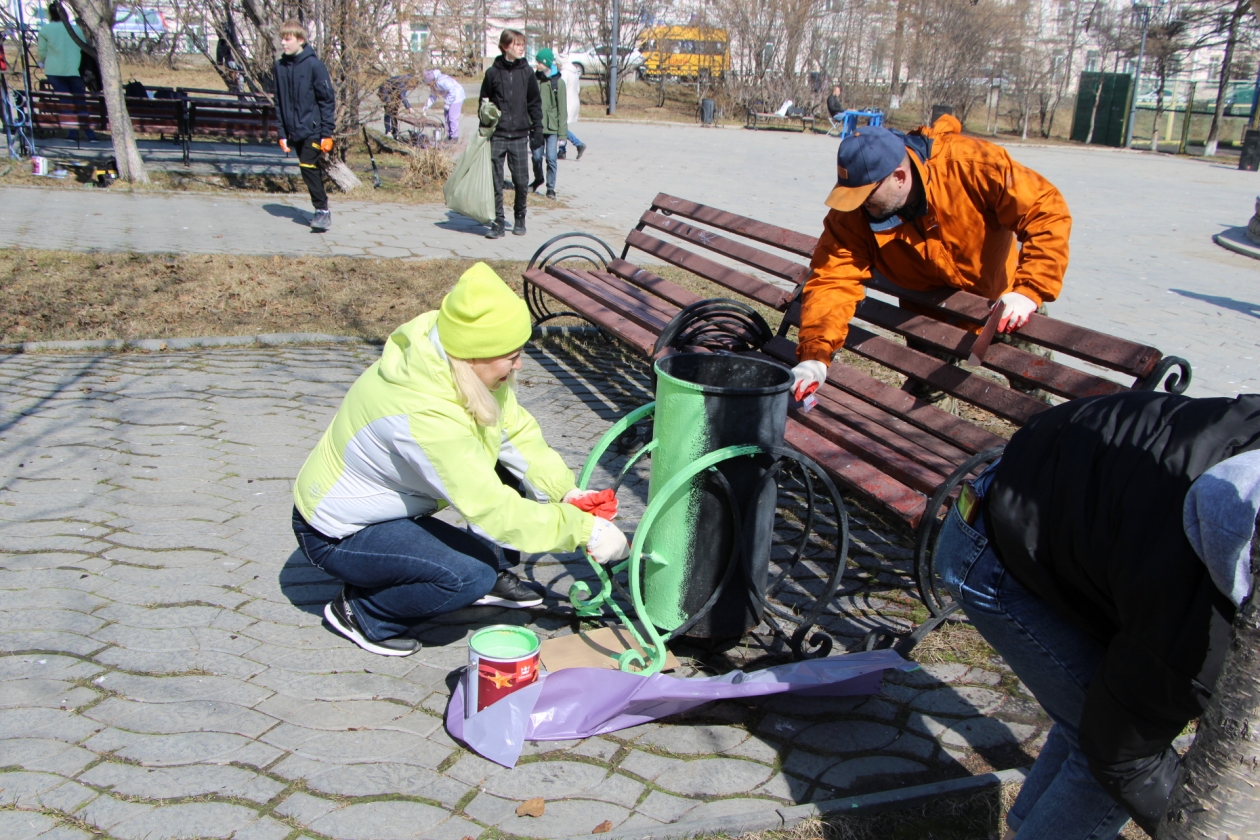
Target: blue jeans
(74, 86)
(401, 572)
(551, 148)
(1060, 799)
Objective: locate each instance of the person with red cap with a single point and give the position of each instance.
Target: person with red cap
(927, 210)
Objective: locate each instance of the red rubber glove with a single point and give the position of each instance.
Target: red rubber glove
(602, 503)
(284, 145)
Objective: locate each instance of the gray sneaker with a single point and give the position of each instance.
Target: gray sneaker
(341, 618)
(322, 220)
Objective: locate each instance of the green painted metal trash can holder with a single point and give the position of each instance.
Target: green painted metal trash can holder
(699, 561)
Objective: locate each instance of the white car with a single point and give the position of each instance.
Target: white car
(593, 61)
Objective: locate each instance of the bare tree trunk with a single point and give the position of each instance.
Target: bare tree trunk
(1227, 64)
(98, 19)
(1219, 796)
(894, 89)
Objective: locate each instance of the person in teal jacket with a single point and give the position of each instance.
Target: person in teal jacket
(434, 424)
(60, 56)
(555, 124)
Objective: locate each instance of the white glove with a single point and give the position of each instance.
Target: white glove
(1018, 308)
(607, 543)
(807, 373)
(575, 493)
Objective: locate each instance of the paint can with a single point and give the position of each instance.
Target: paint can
(39, 165)
(501, 659)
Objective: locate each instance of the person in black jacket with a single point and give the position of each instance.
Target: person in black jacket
(306, 107)
(1104, 557)
(511, 86)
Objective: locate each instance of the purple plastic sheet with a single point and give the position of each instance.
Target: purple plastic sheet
(581, 702)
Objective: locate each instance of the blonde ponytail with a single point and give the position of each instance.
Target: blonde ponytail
(477, 399)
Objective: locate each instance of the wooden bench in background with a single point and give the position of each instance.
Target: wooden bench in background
(903, 455)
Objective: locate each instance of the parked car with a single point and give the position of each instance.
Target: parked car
(136, 23)
(594, 60)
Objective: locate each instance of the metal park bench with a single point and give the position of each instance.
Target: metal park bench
(897, 453)
(760, 119)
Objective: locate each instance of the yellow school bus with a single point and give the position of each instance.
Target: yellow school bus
(685, 52)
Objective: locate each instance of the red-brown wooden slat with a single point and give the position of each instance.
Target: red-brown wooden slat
(910, 440)
(830, 420)
(896, 402)
(662, 311)
(956, 381)
(793, 272)
(767, 234)
(658, 286)
(1007, 360)
(594, 311)
(723, 275)
(644, 315)
(852, 472)
(1089, 345)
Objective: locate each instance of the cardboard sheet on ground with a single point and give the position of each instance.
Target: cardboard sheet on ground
(582, 702)
(596, 649)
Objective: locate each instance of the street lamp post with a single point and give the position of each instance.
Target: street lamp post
(1144, 13)
(612, 58)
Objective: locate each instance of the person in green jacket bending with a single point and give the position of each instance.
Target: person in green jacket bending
(60, 56)
(555, 109)
(434, 424)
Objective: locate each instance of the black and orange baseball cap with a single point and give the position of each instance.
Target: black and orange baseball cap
(863, 160)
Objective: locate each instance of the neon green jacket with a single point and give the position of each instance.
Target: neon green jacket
(402, 445)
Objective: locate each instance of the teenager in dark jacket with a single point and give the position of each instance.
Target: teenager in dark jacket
(1104, 560)
(306, 106)
(511, 86)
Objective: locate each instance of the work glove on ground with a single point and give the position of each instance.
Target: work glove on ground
(602, 503)
(807, 376)
(1018, 308)
(326, 145)
(607, 544)
(284, 145)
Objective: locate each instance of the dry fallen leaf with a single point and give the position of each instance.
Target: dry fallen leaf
(532, 807)
(603, 828)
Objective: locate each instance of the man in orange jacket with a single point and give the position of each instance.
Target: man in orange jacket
(927, 210)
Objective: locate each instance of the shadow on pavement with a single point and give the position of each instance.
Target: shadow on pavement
(461, 224)
(306, 586)
(1252, 309)
(284, 211)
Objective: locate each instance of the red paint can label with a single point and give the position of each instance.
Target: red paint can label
(501, 659)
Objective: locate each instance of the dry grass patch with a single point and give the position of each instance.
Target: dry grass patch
(60, 295)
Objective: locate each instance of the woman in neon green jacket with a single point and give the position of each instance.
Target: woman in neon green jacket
(435, 422)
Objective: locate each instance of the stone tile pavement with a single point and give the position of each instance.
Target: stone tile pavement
(164, 671)
(1143, 263)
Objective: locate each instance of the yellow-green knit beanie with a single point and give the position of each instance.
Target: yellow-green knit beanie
(481, 317)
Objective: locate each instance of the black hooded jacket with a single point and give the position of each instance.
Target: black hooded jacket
(305, 102)
(1085, 510)
(511, 86)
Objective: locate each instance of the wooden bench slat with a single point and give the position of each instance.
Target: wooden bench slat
(889, 452)
(640, 312)
(595, 311)
(852, 472)
(918, 412)
(723, 275)
(955, 381)
(1089, 345)
(657, 285)
(1052, 376)
(748, 255)
(766, 234)
(941, 454)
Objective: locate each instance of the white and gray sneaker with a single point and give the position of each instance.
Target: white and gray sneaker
(322, 220)
(340, 615)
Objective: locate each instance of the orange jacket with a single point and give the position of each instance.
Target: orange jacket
(979, 201)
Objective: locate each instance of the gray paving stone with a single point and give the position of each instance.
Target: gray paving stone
(976, 733)
(105, 812)
(24, 825)
(648, 765)
(68, 798)
(730, 807)
(359, 746)
(695, 740)
(714, 777)
(847, 736)
(848, 773)
(963, 701)
(379, 821)
(548, 779)
(65, 832)
(490, 809)
(598, 748)
(376, 779)
(23, 789)
(176, 782)
(46, 666)
(46, 723)
(473, 769)
(172, 718)
(184, 748)
(53, 694)
(782, 728)
(781, 786)
(182, 689)
(46, 755)
(191, 819)
(662, 807)
(305, 808)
